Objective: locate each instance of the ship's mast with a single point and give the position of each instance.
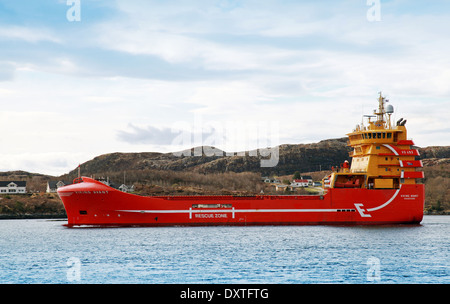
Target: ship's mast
(381, 112)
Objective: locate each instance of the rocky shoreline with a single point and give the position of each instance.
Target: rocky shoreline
(32, 216)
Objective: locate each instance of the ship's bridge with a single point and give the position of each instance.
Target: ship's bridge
(382, 156)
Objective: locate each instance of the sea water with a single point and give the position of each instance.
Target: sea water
(46, 251)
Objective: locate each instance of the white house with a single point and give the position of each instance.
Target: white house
(126, 188)
(299, 183)
(52, 186)
(308, 178)
(270, 180)
(281, 187)
(13, 187)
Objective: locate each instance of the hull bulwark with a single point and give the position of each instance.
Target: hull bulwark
(92, 203)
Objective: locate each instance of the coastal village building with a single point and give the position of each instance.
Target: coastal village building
(281, 187)
(52, 186)
(270, 180)
(299, 183)
(308, 179)
(122, 187)
(13, 187)
(304, 181)
(126, 188)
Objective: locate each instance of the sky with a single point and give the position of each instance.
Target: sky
(81, 78)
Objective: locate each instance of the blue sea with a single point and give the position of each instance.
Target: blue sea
(45, 251)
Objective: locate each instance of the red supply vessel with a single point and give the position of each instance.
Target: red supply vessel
(381, 186)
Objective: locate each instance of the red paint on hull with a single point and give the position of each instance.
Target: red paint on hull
(93, 203)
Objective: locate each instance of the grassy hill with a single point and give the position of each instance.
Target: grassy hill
(300, 157)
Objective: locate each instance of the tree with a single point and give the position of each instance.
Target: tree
(297, 175)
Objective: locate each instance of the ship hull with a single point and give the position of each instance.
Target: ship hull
(93, 203)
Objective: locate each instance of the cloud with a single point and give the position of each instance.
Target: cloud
(313, 66)
(182, 135)
(147, 135)
(320, 46)
(27, 34)
(51, 163)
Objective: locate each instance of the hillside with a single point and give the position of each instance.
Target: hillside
(168, 174)
(300, 157)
